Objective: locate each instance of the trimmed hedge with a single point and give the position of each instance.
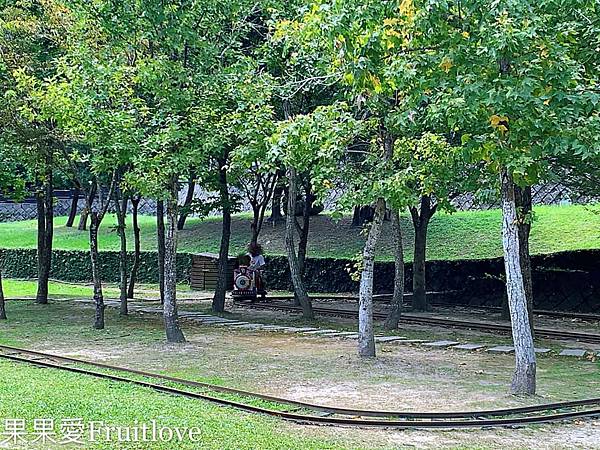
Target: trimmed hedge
(568, 281)
(75, 266)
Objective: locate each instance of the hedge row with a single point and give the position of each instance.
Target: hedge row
(567, 281)
(75, 266)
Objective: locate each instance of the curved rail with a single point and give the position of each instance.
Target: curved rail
(385, 418)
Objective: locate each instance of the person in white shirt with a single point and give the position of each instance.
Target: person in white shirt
(257, 260)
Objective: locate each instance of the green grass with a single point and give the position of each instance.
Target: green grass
(27, 288)
(23, 288)
(31, 393)
(462, 235)
(246, 361)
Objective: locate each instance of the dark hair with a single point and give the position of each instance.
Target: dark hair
(255, 249)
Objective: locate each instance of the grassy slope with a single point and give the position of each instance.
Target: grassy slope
(463, 235)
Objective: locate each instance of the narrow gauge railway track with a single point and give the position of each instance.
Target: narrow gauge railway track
(383, 298)
(320, 414)
(420, 320)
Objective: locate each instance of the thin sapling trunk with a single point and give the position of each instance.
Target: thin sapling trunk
(290, 224)
(2, 302)
(420, 219)
(135, 204)
(393, 318)
(45, 231)
(160, 245)
(96, 218)
(218, 303)
(121, 210)
(98, 294)
(187, 204)
(172, 329)
(90, 197)
(304, 231)
(73, 209)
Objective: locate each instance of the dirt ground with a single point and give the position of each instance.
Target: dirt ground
(327, 371)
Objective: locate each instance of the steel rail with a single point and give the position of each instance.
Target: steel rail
(385, 298)
(320, 420)
(411, 318)
(321, 408)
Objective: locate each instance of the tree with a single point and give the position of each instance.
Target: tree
(366, 336)
(187, 204)
(258, 185)
(2, 301)
(351, 42)
(312, 144)
(160, 246)
(73, 210)
(32, 34)
(233, 132)
(430, 172)
(519, 86)
(96, 218)
(172, 70)
(12, 184)
(89, 102)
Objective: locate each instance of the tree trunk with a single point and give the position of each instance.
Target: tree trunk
(74, 205)
(160, 245)
(172, 329)
(189, 198)
(45, 232)
(121, 210)
(362, 215)
(305, 229)
(523, 201)
(98, 295)
(420, 220)
(254, 228)
(366, 337)
(42, 287)
(419, 260)
(290, 222)
(393, 318)
(524, 378)
(303, 232)
(276, 214)
(2, 303)
(86, 210)
(135, 203)
(218, 303)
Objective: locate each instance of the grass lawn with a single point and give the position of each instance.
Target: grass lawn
(313, 369)
(462, 235)
(26, 288)
(31, 393)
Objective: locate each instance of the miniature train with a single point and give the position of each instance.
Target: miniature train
(247, 284)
